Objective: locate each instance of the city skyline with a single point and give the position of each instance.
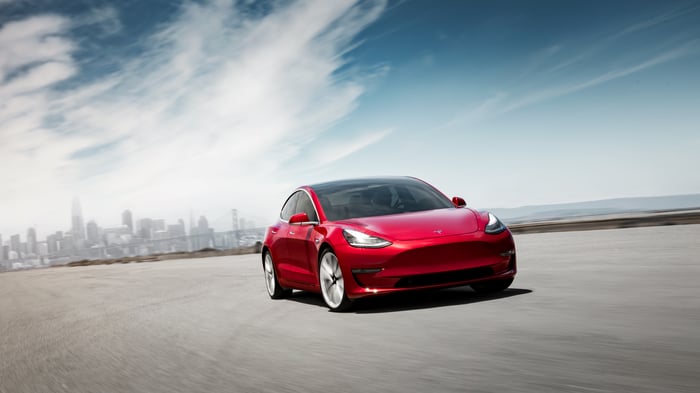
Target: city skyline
(220, 219)
(142, 236)
(160, 106)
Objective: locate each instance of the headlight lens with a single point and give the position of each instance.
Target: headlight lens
(494, 225)
(359, 239)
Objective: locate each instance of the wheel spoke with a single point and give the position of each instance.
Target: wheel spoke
(327, 283)
(327, 268)
(337, 291)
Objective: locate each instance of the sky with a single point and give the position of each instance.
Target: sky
(169, 108)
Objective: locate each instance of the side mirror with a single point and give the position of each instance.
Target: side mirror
(458, 202)
(299, 218)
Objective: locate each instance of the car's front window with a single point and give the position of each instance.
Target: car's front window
(289, 206)
(304, 205)
(352, 200)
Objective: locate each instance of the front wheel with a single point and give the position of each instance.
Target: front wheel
(273, 286)
(492, 286)
(332, 283)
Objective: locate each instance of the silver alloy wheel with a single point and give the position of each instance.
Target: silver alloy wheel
(332, 285)
(269, 275)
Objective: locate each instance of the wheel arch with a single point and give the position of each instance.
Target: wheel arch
(264, 252)
(324, 247)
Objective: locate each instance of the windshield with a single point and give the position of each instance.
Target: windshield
(369, 198)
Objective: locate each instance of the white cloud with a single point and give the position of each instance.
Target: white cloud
(31, 41)
(209, 116)
(332, 151)
(105, 18)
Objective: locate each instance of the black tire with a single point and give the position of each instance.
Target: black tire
(274, 289)
(332, 283)
(493, 286)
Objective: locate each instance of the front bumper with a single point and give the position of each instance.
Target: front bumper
(428, 263)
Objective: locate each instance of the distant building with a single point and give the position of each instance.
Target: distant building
(55, 242)
(158, 225)
(93, 233)
(177, 230)
(128, 220)
(15, 244)
(66, 241)
(235, 235)
(119, 235)
(78, 226)
(202, 224)
(145, 228)
(42, 249)
(5, 253)
(202, 235)
(234, 219)
(31, 242)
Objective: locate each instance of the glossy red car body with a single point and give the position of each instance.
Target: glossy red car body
(429, 249)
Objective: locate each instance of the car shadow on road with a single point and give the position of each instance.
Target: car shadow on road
(413, 300)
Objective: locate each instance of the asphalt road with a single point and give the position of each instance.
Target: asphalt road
(597, 311)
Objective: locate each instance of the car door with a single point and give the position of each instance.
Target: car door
(280, 238)
(300, 242)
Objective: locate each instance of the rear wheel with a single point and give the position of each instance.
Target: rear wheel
(492, 286)
(273, 286)
(332, 283)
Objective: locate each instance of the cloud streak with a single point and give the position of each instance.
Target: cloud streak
(545, 64)
(559, 91)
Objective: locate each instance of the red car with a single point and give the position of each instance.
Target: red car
(353, 238)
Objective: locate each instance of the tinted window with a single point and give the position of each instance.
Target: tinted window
(289, 206)
(344, 200)
(304, 205)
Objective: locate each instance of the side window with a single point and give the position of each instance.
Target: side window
(289, 206)
(304, 205)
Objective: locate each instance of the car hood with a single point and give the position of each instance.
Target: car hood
(419, 225)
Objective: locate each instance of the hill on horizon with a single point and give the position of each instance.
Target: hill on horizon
(597, 207)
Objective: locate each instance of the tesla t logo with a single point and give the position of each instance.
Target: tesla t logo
(438, 231)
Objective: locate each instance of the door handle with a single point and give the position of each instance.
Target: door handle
(291, 233)
(273, 232)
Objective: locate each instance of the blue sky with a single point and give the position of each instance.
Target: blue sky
(166, 106)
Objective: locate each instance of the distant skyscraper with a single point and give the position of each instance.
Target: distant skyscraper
(145, 228)
(78, 225)
(204, 234)
(15, 243)
(234, 219)
(51, 244)
(61, 241)
(203, 224)
(31, 241)
(2, 255)
(128, 220)
(93, 233)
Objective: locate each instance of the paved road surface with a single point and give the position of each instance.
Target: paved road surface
(599, 311)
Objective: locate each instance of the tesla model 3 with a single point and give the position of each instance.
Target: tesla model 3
(349, 239)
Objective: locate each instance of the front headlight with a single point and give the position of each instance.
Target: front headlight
(494, 225)
(359, 239)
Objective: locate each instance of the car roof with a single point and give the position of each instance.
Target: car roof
(363, 181)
